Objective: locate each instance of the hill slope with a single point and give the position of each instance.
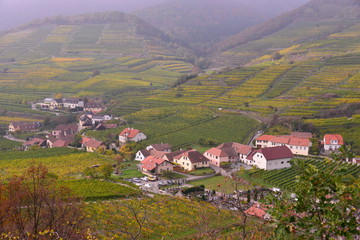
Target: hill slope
(86, 55)
(204, 21)
(314, 21)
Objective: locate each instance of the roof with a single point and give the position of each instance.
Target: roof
(26, 125)
(273, 153)
(299, 142)
(194, 156)
(129, 132)
(218, 152)
(160, 147)
(332, 137)
(265, 138)
(65, 127)
(158, 154)
(93, 143)
(232, 149)
(71, 100)
(256, 211)
(93, 105)
(306, 135)
(34, 141)
(145, 152)
(171, 156)
(85, 139)
(61, 143)
(151, 162)
(281, 139)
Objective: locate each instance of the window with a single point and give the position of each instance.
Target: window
(282, 162)
(288, 161)
(187, 164)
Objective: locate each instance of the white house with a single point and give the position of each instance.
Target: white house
(270, 158)
(131, 134)
(227, 152)
(298, 146)
(142, 154)
(333, 142)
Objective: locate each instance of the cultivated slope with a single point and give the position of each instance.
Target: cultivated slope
(314, 21)
(86, 55)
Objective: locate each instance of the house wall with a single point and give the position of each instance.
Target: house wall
(299, 150)
(331, 147)
(216, 160)
(139, 137)
(262, 144)
(261, 162)
(123, 139)
(165, 166)
(139, 156)
(201, 165)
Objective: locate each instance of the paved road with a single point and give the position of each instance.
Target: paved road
(14, 139)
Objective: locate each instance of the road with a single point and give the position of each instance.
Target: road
(8, 137)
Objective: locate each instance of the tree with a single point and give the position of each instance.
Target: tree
(325, 206)
(34, 206)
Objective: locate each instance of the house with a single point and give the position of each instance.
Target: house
(73, 103)
(131, 134)
(142, 154)
(332, 142)
(298, 145)
(24, 127)
(270, 158)
(258, 211)
(64, 130)
(97, 119)
(227, 152)
(162, 147)
(155, 165)
(191, 160)
(92, 145)
(56, 103)
(85, 122)
(34, 142)
(94, 107)
(170, 156)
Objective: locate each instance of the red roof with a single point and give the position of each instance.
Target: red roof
(151, 162)
(256, 211)
(93, 143)
(61, 143)
(85, 139)
(272, 153)
(129, 132)
(265, 138)
(34, 141)
(333, 137)
(217, 152)
(64, 127)
(299, 142)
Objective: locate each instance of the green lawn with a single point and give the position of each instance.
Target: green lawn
(202, 171)
(218, 183)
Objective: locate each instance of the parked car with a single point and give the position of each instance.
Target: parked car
(145, 179)
(152, 178)
(169, 182)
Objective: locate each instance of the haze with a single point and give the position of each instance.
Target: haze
(16, 12)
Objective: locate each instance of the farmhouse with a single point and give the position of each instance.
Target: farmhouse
(162, 147)
(24, 127)
(154, 165)
(59, 142)
(332, 142)
(270, 158)
(94, 107)
(298, 145)
(142, 154)
(191, 160)
(64, 130)
(131, 134)
(92, 145)
(34, 142)
(227, 152)
(258, 211)
(73, 103)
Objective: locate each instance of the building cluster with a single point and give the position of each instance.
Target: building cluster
(72, 104)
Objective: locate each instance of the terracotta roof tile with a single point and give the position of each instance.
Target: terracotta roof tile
(151, 162)
(336, 137)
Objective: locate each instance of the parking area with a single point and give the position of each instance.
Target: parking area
(154, 186)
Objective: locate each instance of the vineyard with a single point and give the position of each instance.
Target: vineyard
(167, 217)
(285, 178)
(92, 190)
(185, 126)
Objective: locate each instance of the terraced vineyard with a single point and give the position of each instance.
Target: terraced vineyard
(285, 178)
(185, 126)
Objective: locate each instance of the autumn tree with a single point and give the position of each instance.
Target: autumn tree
(326, 204)
(35, 206)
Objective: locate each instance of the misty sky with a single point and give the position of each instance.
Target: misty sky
(16, 12)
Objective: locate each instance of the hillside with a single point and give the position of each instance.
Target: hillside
(314, 21)
(207, 21)
(86, 55)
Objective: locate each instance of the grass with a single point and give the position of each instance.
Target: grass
(202, 172)
(217, 183)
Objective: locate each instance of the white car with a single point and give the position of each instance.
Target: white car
(147, 185)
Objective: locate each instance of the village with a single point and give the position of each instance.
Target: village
(157, 161)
